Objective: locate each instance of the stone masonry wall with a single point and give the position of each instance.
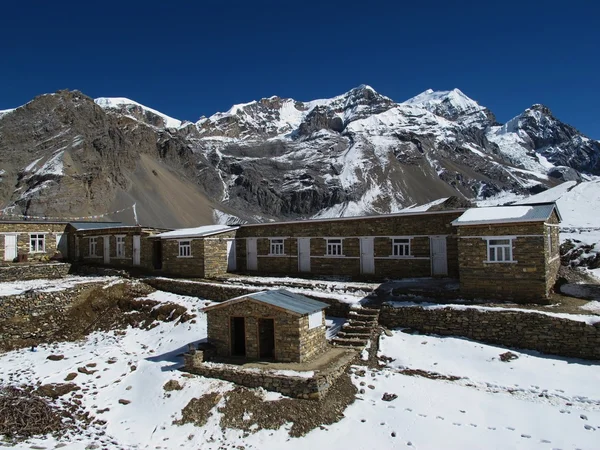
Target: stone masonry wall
(215, 254)
(24, 228)
(521, 281)
(25, 271)
(552, 250)
(381, 227)
(313, 388)
(312, 342)
(526, 330)
(173, 264)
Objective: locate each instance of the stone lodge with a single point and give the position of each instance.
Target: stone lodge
(275, 325)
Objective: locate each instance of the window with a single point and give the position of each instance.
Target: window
(315, 320)
(93, 246)
(500, 250)
(37, 243)
(334, 247)
(185, 249)
(400, 247)
(276, 247)
(120, 246)
(551, 246)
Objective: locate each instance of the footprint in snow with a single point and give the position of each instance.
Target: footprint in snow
(545, 441)
(408, 409)
(583, 416)
(491, 428)
(440, 417)
(526, 436)
(589, 427)
(423, 415)
(473, 425)
(510, 428)
(457, 424)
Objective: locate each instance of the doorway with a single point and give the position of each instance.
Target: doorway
(367, 256)
(251, 254)
(136, 250)
(231, 256)
(266, 338)
(157, 254)
(10, 247)
(238, 336)
(439, 257)
(303, 254)
(106, 249)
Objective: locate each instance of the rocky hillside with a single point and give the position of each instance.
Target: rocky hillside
(65, 154)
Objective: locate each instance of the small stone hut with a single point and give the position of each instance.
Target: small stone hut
(275, 325)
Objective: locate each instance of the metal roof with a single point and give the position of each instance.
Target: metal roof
(197, 232)
(96, 225)
(507, 214)
(280, 298)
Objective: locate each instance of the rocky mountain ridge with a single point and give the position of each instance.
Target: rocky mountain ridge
(65, 154)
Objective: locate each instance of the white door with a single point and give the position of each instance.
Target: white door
(367, 255)
(439, 258)
(10, 247)
(303, 254)
(251, 254)
(231, 256)
(136, 250)
(61, 244)
(106, 249)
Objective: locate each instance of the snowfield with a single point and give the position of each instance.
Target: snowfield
(531, 402)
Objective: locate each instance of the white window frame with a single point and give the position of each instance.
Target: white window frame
(494, 250)
(401, 247)
(185, 248)
(334, 247)
(93, 248)
(34, 246)
(276, 246)
(120, 245)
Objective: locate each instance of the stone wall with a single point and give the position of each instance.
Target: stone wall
(552, 250)
(313, 388)
(215, 254)
(210, 291)
(533, 331)
(25, 271)
(382, 228)
(294, 342)
(16, 311)
(521, 281)
(50, 230)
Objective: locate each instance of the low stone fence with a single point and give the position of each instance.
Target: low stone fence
(24, 271)
(314, 387)
(527, 330)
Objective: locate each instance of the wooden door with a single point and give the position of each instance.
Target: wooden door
(439, 257)
(251, 254)
(304, 255)
(367, 256)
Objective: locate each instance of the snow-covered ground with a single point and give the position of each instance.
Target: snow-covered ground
(531, 402)
(43, 285)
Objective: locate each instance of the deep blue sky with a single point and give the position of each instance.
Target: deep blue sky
(189, 59)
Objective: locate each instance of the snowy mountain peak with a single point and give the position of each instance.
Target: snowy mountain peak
(138, 112)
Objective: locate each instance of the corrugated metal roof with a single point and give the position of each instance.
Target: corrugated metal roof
(506, 214)
(203, 231)
(279, 298)
(96, 225)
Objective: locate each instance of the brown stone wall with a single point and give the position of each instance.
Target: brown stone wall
(523, 281)
(552, 250)
(215, 254)
(292, 342)
(312, 342)
(527, 330)
(381, 227)
(183, 266)
(127, 260)
(24, 228)
(21, 271)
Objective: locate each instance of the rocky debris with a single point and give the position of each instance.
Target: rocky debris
(508, 356)
(123, 401)
(199, 410)
(86, 371)
(55, 357)
(172, 385)
(387, 397)
(55, 390)
(71, 376)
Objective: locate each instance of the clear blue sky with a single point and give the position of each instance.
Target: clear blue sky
(189, 59)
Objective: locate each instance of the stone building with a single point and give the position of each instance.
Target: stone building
(275, 325)
(410, 244)
(509, 252)
(33, 240)
(201, 252)
(111, 244)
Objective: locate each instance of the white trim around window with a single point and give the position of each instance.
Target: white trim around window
(499, 249)
(401, 247)
(334, 247)
(37, 242)
(276, 247)
(185, 248)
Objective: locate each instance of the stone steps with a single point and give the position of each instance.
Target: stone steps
(344, 342)
(353, 335)
(356, 333)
